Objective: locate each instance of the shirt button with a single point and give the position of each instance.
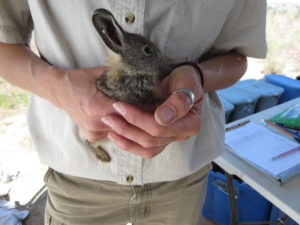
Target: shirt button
(130, 18)
(129, 179)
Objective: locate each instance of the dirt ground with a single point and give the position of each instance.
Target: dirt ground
(19, 161)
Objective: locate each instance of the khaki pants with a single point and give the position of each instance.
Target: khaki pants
(77, 201)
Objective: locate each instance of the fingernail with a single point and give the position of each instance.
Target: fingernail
(106, 121)
(119, 108)
(166, 115)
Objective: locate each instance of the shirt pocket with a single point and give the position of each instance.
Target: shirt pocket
(47, 175)
(194, 27)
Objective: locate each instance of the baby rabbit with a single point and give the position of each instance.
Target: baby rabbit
(135, 67)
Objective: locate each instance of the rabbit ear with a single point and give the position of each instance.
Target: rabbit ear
(109, 29)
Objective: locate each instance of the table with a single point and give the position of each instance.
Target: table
(287, 196)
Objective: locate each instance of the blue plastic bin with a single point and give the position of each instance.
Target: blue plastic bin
(244, 102)
(269, 93)
(251, 205)
(291, 86)
(277, 214)
(228, 107)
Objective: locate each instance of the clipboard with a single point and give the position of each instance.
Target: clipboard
(258, 145)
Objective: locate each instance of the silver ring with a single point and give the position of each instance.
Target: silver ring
(189, 93)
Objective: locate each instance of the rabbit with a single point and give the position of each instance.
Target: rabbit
(135, 68)
(135, 65)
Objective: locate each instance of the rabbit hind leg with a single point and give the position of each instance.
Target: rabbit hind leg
(99, 152)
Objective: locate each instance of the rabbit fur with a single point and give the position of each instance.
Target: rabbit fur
(135, 64)
(135, 68)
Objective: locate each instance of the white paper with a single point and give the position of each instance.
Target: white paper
(259, 145)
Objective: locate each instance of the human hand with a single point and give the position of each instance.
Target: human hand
(147, 134)
(76, 94)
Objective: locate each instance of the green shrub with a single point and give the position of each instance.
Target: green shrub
(13, 101)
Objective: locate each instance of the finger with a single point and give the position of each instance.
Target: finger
(187, 126)
(96, 71)
(174, 108)
(178, 104)
(135, 134)
(141, 119)
(98, 105)
(184, 77)
(95, 136)
(130, 146)
(95, 125)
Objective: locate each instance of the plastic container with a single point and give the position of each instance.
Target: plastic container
(269, 93)
(228, 107)
(291, 86)
(244, 102)
(251, 205)
(277, 214)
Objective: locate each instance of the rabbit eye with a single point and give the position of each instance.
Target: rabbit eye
(147, 50)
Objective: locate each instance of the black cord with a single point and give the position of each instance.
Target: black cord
(195, 66)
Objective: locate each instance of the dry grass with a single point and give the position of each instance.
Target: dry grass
(283, 36)
(12, 99)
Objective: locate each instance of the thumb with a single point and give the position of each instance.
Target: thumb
(174, 108)
(96, 71)
(179, 103)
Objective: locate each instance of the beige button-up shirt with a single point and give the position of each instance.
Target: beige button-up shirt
(184, 30)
